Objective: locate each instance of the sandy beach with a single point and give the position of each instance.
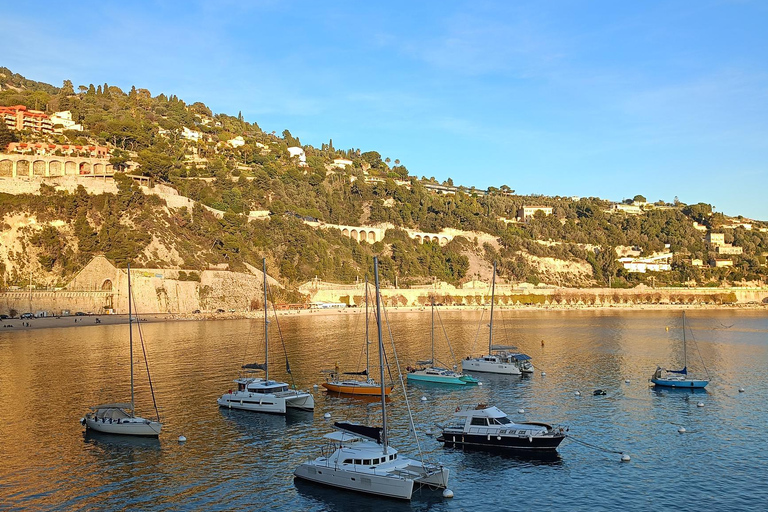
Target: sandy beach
(17, 324)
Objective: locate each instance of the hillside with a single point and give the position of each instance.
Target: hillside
(227, 167)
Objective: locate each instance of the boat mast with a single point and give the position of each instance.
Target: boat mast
(266, 321)
(493, 294)
(685, 353)
(433, 332)
(130, 335)
(381, 356)
(367, 341)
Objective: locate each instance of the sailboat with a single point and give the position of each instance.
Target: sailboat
(678, 378)
(499, 359)
(119, 418)
(428, 372)
(265, 395)
(369, 386)
(360, 458)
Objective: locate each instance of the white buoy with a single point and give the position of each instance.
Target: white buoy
(327, 415)
(741, 390)
(578, 393)
(182, 439)
(681, 430)
(543, 374)
(447, 493)
(626, 381)
(625, 457)
(479, 383)
(315, 386)
(423, 399)
(520, 411)
(700, 404)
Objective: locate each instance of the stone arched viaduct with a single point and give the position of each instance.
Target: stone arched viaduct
(30, 166)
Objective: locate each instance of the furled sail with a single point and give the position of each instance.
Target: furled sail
(373, 433)
(254, 366)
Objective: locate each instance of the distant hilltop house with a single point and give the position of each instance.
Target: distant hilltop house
(64, 120)
(526, 213)
(18, 117)
(188, 134)
(632, 209)
(295, 151)
(236, 142)
(341, 163)
(715, 239)
(43, 149)
(655, 263)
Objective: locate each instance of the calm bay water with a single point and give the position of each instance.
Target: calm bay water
(243, 461)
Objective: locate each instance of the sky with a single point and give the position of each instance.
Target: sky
(560, 98)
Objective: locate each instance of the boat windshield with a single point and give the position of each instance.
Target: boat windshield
(501, 421)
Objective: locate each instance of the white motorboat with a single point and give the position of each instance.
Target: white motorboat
(487, 427)
(360, 458)
(119, 418)
(265, 395)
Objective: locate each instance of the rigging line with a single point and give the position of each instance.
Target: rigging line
(282, 341)
(593, 446)
(698, 351)
(477, 333)
(442, 326)
(402, 384)
(146, 361)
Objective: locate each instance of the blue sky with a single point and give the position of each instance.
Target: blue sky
(585, 98)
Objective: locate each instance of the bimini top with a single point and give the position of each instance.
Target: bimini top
(481, 411)
(373, 433)
(111, 406)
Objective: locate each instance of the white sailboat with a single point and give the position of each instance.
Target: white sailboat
(265, 395)
(119, 418)
(360, 458)
(499, 359)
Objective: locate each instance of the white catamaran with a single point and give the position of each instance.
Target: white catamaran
(264, 395)
(360, 458)
(119, 418)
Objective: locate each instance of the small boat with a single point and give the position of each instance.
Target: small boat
(119, 418)
(500, 358)
(337, 384)
(487, 427)
(264, 395)
(428, 372)
(360, 458)
(678, 378)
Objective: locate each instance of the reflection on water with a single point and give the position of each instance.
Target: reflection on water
(236, 460)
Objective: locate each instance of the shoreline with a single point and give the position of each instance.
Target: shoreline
(18, 324)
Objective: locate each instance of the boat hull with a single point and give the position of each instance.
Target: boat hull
(380, 485)
(502, 443)
(126, 427)
(437, 379)
(267, 403)
(356, 389)
(680, 383)
(475, 365)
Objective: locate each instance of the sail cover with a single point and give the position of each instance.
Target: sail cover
(254, 366)
(684, 371)
(360, 430)
(364, 372)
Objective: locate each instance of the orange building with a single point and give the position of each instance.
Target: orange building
(18, 117)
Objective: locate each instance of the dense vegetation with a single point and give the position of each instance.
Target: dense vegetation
(261, 175)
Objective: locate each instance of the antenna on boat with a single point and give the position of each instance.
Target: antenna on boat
(384, 438)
